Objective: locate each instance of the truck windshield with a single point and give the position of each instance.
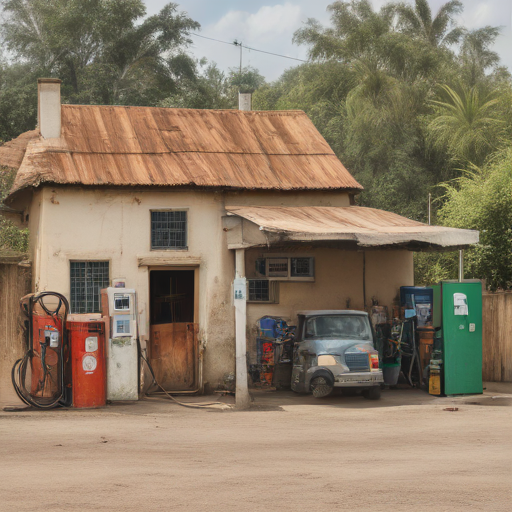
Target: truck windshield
(342, 326)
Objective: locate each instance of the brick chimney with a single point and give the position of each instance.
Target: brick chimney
(48, 107)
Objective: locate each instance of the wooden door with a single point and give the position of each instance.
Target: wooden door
(174, 355)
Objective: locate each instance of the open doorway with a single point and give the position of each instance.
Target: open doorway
(173, 342)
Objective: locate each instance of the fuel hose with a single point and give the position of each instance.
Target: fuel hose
(192, 405)
(19, 369)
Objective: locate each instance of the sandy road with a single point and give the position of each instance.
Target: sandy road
(289, 453)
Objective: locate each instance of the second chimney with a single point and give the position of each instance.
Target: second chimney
(48, 107)
(244, 101)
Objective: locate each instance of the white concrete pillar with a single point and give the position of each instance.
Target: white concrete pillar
(244, 101)
(242, 398)
(49, 107)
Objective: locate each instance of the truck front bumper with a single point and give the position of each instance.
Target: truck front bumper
(358, 379)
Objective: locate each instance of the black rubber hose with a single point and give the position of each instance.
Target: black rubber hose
(19, 368)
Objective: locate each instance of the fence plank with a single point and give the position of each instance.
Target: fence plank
(497, 336)
(14, 284)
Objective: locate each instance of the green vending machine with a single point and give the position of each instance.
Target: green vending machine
(458, 313)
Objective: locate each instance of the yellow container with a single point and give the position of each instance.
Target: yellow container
(434, 387)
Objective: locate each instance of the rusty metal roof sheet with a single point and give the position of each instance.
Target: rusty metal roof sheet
(12, 152)
(368, 227)
(105, 145)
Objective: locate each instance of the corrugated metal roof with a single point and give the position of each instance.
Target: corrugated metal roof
(105, 145)
(368, 227)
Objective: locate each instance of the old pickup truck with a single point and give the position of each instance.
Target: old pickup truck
(334, 349)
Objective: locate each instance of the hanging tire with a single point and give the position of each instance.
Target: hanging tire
(373, 393)
(320, 387)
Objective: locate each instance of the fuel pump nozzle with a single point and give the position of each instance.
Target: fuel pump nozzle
(44, 345)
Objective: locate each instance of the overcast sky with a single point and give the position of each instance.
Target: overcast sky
(269, 25)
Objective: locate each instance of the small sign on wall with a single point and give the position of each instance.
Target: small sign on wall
(240, 288)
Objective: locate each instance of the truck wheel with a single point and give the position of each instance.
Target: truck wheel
(320, 387)
(373, 393)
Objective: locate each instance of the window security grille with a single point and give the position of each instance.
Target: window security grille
(87, 280)
(286, 268)
(278, 267)
(263, 290)
(302, 267)
(259, 290)
(169, 230)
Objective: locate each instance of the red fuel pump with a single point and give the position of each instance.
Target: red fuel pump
(47, 350)
(88, 371)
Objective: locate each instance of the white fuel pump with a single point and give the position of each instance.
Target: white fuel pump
(119, 305)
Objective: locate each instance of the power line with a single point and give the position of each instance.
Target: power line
(237, 43)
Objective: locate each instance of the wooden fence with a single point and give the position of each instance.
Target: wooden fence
(497, 336)
(14, 284)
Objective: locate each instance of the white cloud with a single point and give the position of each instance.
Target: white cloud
(269, 28)
(480, 15)
(269, 22)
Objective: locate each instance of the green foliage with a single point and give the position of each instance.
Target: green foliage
(476, 55)
(318, 89)
(466, 124)
(211, 88)
(374, 91)
(432, 267)
(12, 238)
(18, 100)
(105, 52)
(246, 80)
(355, 31)
(417, 21)
(482, 200)
(208, 88)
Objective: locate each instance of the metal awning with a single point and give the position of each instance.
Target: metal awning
(251, 226)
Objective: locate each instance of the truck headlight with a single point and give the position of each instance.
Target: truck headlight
(327, 360)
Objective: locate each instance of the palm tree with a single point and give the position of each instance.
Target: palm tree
(466, 124)
(475, 52)
(418, 21)
(355, 30)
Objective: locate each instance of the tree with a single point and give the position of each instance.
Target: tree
(18, 100)
(246, 80)
(482, 199)
(439, 31)
(355, 29)
(467, 124)
(100, 48)
(476, 55)
(12, 238)
(208, 88)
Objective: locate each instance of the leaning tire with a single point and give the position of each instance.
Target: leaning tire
(320, 387)
(373, 393)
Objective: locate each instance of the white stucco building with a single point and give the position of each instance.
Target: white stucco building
(175, 200)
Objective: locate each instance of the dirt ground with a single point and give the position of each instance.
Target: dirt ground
(289, 453)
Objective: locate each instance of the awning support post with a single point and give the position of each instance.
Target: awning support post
(242, 398)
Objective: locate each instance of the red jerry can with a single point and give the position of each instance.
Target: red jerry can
(88, 368)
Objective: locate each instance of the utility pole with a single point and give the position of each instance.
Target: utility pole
(239, 43)
(429, 207)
